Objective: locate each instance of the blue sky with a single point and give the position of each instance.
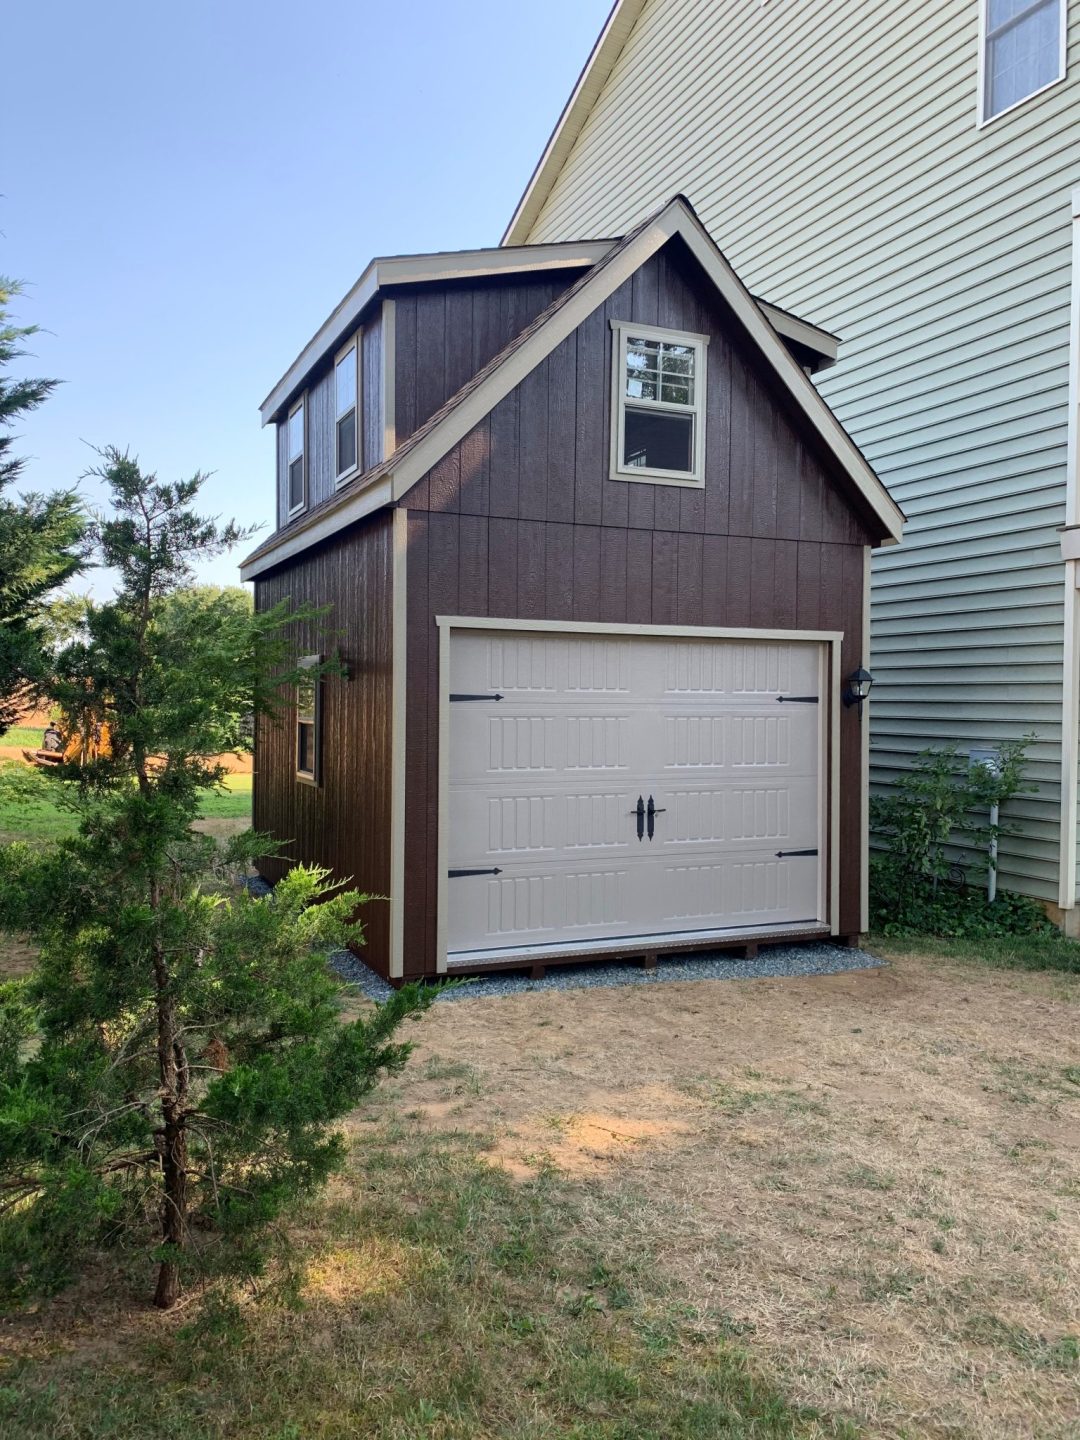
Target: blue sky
(189, 189)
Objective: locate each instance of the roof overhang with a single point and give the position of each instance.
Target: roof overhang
(388, 482)
(598, 67)
(443, 267)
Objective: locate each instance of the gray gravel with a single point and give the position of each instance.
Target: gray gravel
(772, 962)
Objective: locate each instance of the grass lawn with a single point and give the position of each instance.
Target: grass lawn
(41, 820)
(839, 1206)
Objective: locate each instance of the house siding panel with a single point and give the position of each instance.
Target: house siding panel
(844, 176)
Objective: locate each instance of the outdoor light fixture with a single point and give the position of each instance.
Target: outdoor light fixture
(858, 687)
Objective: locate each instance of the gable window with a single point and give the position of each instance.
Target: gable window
(309, 720)
(658, 405)
(346, 411)
(1022, 52)
(296, 459)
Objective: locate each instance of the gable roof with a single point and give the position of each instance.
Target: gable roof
(389, 481)
(609, 46)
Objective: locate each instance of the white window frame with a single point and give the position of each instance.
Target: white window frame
(342, 476)
(297, 509)
(982, 118)
(313, 718)
(622, 330)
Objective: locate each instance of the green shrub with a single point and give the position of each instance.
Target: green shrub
(944, 802)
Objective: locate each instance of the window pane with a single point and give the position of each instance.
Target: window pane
(1023, 57)
(305, 748)
(305, 698)
(346, 382)
(659, 370)
(296, 483)
(296, 433)
(658, 440)
(346, 443)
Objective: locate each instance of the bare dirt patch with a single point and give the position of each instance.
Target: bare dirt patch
(873, 1177)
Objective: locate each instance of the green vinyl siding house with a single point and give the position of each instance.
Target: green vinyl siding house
(903, 176)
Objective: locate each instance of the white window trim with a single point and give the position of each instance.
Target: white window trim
(291, 510)
(358, 465)
(312, 776)
(621, 330)
(981, 117)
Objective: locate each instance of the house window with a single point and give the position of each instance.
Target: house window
(296, 461)
(309, 720)
(346, 411)
(1023, 51)
(658, 405)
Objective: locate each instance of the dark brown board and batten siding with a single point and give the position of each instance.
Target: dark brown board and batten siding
(445, 334)
(344, 822)
(520, 521)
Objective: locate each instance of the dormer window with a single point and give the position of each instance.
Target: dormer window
(346, 409)
(658, 405)
(296, 459)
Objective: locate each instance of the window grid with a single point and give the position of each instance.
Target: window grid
(658, 413)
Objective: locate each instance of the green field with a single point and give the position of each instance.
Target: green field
(40, 819)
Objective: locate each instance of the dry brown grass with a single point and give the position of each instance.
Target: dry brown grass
(874, 1177)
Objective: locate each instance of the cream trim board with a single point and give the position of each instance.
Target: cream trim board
(864, 763)
(982, 119)
(389, 378)
(441, 941)
(354, 505)
(588, 627)
(829, 817)
(355, 344)
(398, 727)
(1070, 700)
(694, 478)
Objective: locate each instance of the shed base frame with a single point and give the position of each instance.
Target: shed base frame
(639, 953)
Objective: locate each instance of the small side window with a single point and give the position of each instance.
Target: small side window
(309, 721)
(1022, 52)
(346, 412)
(297, 459)
(658, 405)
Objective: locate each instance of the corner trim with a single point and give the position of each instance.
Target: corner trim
(398, 724)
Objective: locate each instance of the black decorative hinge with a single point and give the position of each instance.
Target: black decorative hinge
(457, 874)
(475, 697)
(797, 699)
(780, 854)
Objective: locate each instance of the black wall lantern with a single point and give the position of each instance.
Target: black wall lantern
(858, 687)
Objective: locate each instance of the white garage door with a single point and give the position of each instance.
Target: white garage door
(610, 788)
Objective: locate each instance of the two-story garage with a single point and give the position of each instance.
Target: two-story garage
(596, 553)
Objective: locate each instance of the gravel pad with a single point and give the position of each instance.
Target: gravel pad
(772, 962)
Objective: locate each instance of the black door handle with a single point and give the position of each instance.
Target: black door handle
(639, 811)
(653, 811)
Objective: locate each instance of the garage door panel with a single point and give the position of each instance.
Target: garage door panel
(750, 891)
(494, 825)
(543, 785)
(783, 814)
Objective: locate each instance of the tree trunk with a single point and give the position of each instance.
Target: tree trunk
(175, 1079)
(173, 1209)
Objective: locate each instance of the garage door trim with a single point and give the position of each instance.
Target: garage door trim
(830, 639)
